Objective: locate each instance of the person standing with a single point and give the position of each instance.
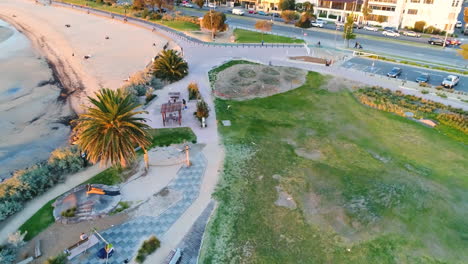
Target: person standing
(184, 103)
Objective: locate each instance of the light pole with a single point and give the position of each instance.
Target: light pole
(211, 19)
(125, 9)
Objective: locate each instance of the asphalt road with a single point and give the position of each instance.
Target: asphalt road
(409, 73)
(333, 39)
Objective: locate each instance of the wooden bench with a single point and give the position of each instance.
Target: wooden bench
(37, 249)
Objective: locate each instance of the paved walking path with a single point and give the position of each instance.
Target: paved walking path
(15, 221)
(127, 238)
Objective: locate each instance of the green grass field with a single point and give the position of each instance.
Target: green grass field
(180, 25)
(370, 186)
(247, 36)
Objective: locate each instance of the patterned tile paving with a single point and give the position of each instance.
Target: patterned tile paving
(128, 236)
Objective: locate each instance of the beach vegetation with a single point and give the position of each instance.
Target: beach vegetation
(111, 128)
(170, 66)
(31, 182)
(59, 259)
(311, 182)
(214, 21)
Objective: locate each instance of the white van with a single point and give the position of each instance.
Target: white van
(238, 11)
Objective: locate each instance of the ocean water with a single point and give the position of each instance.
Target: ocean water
(31, 118)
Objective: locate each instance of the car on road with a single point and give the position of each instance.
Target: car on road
(238, 11)
(458, 24)
(187, 4)
(210, 5)
(423, 78)
(394, 73)
(318, 23)
(339, 24)
(276, 14)
(437, 41)
(450, 81)
(252, 11)
(411, 34)
(454, 42)
(391, 33)
(390, 28)
(262, 13)
(371, 28)
(358, 25)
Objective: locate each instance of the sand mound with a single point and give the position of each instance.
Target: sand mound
(247, 81)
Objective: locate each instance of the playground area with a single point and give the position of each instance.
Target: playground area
(247, 81)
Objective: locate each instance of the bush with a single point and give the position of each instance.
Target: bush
(145, 13)
(304, 21)
(28, 183)
(419, 26)
(424, 91)
(149, 95)
(190, 19)
(288, 16)
(193, 91)
(60, 259)
(7, 254)
(202, 110)
(155, 16)
(148, 247)
(69, 212)
(167, 17)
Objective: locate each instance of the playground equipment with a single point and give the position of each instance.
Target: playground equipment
(94, 190)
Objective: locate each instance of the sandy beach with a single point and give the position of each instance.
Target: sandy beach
(37, 117)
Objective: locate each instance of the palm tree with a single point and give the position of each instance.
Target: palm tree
(170, 66)
(110, 129)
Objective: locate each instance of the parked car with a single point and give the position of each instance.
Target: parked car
(454, 42)
(318, 23)
(437, 41)
(238, 11)
(458, 24)
(411, 34)
(391, 33)
(358, 25)
(252, 11)
(276, 14)
(423, 78)
(390, 28)
(212, 5)
(450, 81)
(262, 13)
(370, 28)
(395, 72)
(339, 24)
(189, 5)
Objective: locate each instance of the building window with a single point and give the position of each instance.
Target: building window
(382, 8)
(412, 12)
(429, 1)
(415, 1)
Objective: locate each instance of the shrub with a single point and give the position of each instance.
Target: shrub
(69, 212)
(167, 17)
(155, 16)
(440, 87)
(288, 16)
(67, 159)
(193, 91)
(7, 254)
(145, 13)
(424, 91)
(419, 26)
(190, 19)
(202, 110)
(149, 95)
(60, 259)
(148, 247)
(304, 21)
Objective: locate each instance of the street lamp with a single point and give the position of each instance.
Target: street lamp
(125, 8)
(211, 19)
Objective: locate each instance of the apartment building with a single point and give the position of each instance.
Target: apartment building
(441, 14)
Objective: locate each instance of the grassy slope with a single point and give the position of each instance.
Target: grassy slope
(180, 25)
(247, 36)
(410, 209)
(111, 176)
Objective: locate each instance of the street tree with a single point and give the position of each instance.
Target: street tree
(304, 20)
(138, 4)
(287, 4)
(288, 16)
(463, 51)
(366, 10)
(348, 29)
(215, 22)
(111, 128)
(465, 15)
(199, 3)
(264, 26)
(308, 7)
(160, 4)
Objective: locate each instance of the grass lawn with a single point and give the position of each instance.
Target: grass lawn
(180, 25)
(93, 4)
(111, 176)
(247, 36)
(369, 186)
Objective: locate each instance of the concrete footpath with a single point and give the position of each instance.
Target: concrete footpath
(15, 221)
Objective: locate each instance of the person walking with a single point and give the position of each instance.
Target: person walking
(184, 103)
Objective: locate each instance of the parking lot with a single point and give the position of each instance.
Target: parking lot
(409, 73)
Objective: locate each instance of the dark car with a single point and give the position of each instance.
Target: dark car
(395, 72)
(276, 14)
(423, 78)
(436, 41)
(390, 28)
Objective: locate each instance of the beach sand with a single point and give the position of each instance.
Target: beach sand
(37, 122)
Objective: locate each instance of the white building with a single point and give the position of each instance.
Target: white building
(441, 14)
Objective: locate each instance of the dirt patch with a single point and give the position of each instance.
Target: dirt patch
(309, 59)
(312, 155)
(285, 199)
(247, 81)
(336, 84)
(60, 236)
